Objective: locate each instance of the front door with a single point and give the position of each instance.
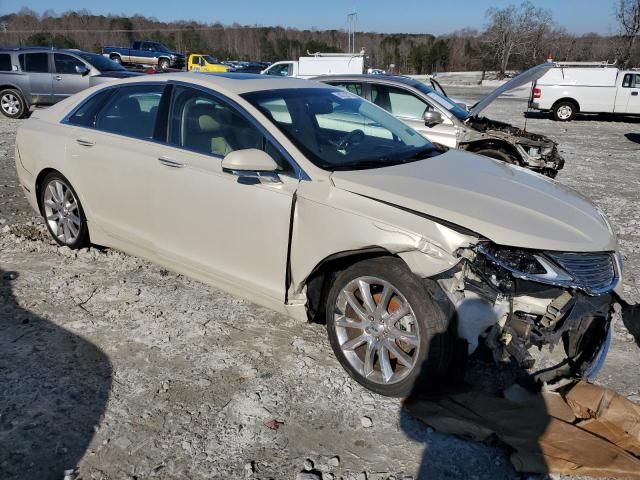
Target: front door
(409, 108)
(628, 96)
(66, 80)
(211, 220)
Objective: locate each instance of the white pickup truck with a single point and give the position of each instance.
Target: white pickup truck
(319, 64)
(576, 87)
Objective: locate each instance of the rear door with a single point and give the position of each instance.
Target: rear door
(113, 157)
(66, 80)
(628, 95)
(408, 107)
(38, 67)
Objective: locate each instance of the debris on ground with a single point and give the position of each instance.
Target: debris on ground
(589, 430)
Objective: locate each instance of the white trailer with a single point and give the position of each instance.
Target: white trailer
(573, 87)
(319, 64)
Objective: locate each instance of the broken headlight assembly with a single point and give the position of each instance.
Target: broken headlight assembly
(594, 273)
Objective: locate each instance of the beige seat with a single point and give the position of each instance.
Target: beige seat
(204, 133)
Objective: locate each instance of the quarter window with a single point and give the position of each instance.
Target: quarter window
(398, 102)
(66, 63)
(132, 111)
(34, 62)
(5, 62)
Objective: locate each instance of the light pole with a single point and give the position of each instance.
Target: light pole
(352, 20)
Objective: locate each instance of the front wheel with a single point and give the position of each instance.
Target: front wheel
(116, 58)
(385, 328)
(63, 212)
(163, 64)
(498, 154)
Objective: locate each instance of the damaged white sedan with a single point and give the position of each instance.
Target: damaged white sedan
(316, 203)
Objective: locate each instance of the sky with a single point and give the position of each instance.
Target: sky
(404, 16)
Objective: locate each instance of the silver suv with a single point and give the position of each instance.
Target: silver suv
(31, 77)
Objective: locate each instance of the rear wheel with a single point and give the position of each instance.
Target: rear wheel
(63, 212)
(564, 111)
(12, 103)
(385, 328)
(498, 154)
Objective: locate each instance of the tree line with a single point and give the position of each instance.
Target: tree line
(513, 38)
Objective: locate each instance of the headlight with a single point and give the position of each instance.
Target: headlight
(534, 151)
(526, 264)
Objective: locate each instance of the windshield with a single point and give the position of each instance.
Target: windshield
(101, 63)
(210, 59)
(442, 101)
(338, 130)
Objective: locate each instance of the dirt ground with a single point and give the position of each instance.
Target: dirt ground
(129, 371)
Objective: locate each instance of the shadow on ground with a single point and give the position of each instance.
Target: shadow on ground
(591, 117)
(633, 137)
(55, 388)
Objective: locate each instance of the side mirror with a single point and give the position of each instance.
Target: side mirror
(432, 118)
(251, 166)
(82, 70)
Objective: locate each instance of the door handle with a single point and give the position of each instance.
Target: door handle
(57, 77)
(85, 143)
(635, 94)
(170, 163)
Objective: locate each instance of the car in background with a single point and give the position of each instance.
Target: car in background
(445, 121)
(34, 77)
(246, 67)
(145, 53)
(199, 62)
(309, 200)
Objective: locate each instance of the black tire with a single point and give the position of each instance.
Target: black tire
(498, 154)
(12, 103)
(116, 58)
(81, 239)
(564, 111)
(433, 356)
(164, 63)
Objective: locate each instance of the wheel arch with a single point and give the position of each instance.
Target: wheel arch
(495, 144)
(321, 277)
(566, 99)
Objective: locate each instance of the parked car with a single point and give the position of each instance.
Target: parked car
(33, 77)
(246, 67)
(573, 87)
(198, 62)
(319, 64)
(443, 120)
(145, 53)
(311, 201)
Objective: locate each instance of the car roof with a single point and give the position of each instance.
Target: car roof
(370, 78)
(233, 83)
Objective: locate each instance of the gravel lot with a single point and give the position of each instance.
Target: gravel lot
(129, 371)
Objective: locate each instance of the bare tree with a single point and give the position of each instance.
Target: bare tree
(628, 15)
(516, 31)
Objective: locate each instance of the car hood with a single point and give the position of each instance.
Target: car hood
(528, 76)
(509, 205)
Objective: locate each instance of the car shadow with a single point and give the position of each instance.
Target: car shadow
(588, 117)
(633, 137)
(54, 391)
(459, 455)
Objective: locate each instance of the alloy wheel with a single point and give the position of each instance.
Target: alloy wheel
(62, 211)
(10, 104)
(377, 330)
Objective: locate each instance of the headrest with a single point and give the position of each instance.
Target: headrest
(129, 106)
(207, 124)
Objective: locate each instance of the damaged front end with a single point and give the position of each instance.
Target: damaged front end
(550, 312)
(537, 152)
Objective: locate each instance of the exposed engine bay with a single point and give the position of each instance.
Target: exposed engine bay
(513, 301)
(535, 151)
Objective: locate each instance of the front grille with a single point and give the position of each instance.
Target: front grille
(595, 273)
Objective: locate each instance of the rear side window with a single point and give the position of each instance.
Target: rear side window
(132, 111)
(5, 62)
(34, 62)
(85, 114)
(355, 88)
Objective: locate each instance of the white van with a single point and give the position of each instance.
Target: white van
(319, 64)
(574, 87)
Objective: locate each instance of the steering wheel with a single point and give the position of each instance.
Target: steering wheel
(356, 136)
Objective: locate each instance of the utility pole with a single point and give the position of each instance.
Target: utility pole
(352, 20)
